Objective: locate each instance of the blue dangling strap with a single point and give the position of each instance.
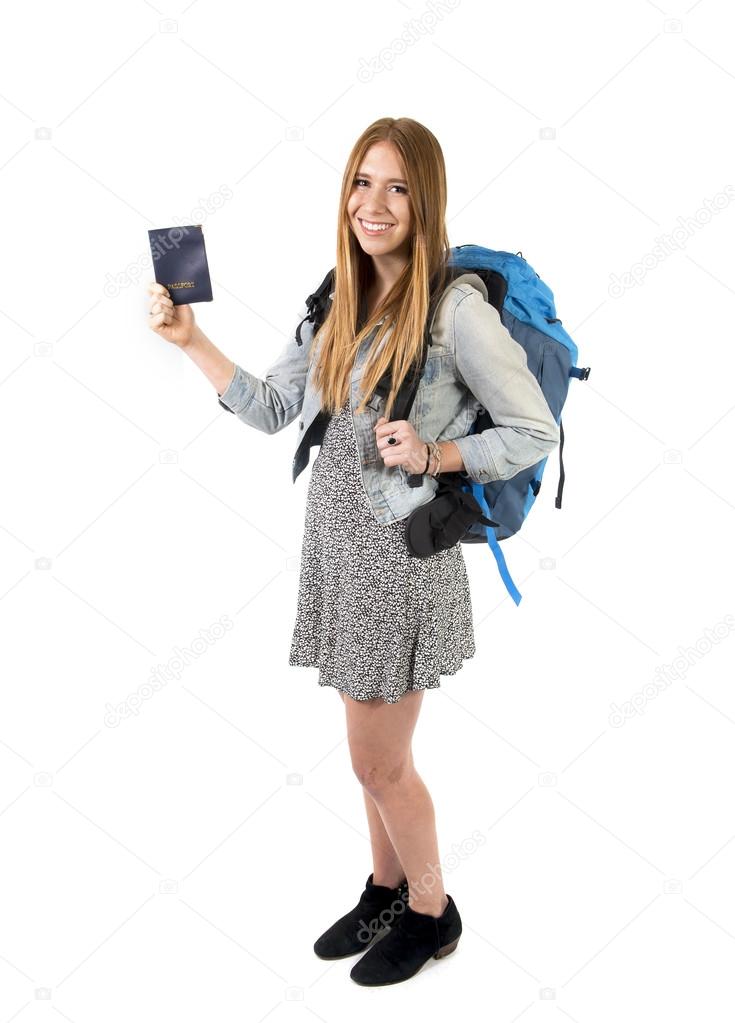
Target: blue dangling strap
(479, 492)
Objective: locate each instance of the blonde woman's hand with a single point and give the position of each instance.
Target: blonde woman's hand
(408, 451)
(174, 323)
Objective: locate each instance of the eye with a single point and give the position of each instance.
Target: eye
(359, 181)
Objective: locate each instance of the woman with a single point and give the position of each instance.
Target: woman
(380, 624)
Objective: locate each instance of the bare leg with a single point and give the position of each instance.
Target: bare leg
(387, 869)
(379, 736)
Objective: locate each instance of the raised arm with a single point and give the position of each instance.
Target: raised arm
(270, 403)
(494, 368)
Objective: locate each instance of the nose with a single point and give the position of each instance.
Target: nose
(372, 213)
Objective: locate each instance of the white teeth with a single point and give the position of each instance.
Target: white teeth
(375, 227)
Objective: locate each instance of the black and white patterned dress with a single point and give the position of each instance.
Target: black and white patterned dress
(375, 620)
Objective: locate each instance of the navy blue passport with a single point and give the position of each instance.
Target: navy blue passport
(180, 263)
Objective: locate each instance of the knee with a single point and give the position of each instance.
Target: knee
(379, 776)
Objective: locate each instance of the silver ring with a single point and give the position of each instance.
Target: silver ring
(392, 439)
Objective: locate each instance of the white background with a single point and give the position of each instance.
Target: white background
(179, 862)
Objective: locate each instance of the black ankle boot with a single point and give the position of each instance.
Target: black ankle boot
(378, 908)
(409, 944)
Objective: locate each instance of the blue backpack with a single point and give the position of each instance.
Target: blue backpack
(526, 307)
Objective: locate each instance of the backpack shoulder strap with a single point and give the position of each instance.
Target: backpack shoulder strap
(409, 387)
(317, 304)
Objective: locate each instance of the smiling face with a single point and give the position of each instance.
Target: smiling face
(379, 208)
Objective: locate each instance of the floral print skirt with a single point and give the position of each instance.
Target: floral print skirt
(374, 619)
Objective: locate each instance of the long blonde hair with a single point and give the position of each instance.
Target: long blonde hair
(407, 304)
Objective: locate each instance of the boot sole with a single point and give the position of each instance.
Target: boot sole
(445, 950)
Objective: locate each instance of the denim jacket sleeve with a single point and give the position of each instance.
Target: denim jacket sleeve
(494, 368)
(271, 403)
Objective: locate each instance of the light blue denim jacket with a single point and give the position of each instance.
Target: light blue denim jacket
(473, 363)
